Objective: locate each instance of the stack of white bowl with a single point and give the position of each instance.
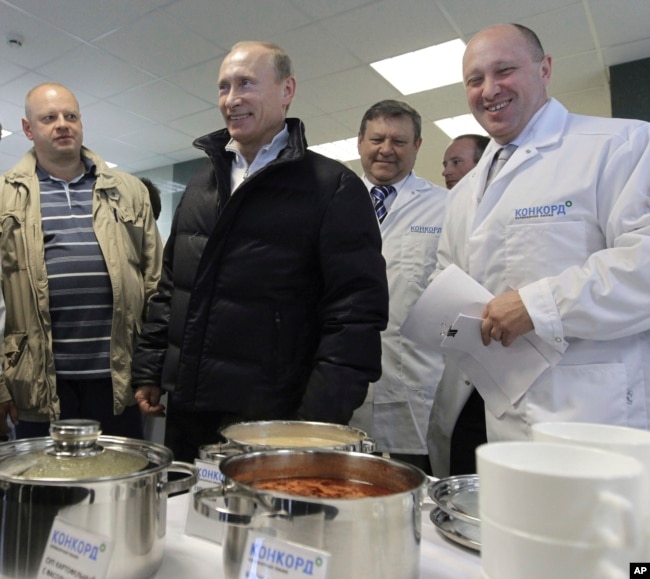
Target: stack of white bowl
(632, 442)
(558, 510)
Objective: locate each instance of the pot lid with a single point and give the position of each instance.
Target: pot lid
(75, 451)
(288, 434)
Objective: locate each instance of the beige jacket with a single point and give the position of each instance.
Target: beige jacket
(128, 237)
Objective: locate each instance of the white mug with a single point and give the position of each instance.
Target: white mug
(632, 442)
(563, 492)
(509, 554)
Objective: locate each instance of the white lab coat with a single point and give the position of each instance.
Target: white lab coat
(396, 410)
(567, 223)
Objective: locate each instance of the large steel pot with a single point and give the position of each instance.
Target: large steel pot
(274, 434)
(102, 486)
(267, 435)
(375, 537)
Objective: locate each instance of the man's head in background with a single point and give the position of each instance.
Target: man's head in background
(462, 155)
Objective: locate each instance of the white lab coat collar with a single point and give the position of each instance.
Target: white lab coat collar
(407, 189)
(543, 130)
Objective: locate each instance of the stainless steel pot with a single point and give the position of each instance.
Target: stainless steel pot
(269, 435)
(375, 537)
(273, 434)
(107, 486)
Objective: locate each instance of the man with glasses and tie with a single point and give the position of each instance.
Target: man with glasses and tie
(560, 237)
(410, 211)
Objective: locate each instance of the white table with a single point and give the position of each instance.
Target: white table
(187, 557)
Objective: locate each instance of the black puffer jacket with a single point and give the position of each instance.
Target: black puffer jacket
(272, 300)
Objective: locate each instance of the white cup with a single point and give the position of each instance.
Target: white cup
(563, 492)
(632, 442)
(509, 554)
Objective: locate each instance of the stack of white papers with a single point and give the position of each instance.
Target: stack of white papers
(448, 317)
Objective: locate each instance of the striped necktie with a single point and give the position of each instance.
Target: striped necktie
(380, 192)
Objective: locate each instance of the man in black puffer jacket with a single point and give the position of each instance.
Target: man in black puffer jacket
(273, 293)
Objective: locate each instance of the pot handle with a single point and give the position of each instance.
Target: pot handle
(219, 451)
(204, 503)
(181, 484)
(368, 445)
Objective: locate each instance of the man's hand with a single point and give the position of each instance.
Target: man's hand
(504, 319)
(148, 399)
(7, 409)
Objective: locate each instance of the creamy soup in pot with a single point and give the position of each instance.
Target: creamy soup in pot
(280, 441)
(321, 487)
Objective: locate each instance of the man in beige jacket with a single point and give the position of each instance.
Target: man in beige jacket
(81, 257)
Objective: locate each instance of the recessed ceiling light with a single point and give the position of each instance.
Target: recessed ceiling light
(424, 69)
(461, 125)
(110, 165)
(344, 150)
(5, 133)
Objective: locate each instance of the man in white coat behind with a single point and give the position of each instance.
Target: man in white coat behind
(396, 411)
(560, 237)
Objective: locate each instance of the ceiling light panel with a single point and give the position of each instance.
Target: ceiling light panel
(344, 150)
(461, 125)
(424, 69)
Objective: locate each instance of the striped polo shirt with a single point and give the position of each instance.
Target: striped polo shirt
(81, 298)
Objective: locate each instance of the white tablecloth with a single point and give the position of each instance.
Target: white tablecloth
(187, 556)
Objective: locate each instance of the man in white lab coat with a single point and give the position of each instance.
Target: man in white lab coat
(560, 237)
(461, 156)
(396, 411)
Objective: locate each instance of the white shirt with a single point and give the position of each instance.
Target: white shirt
(241, 170)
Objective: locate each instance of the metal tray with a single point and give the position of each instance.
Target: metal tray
(458, 497)
(465, 534)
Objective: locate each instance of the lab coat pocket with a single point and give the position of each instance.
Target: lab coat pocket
(581, 393)
(537, 250)
(418, 255)
(390, 389)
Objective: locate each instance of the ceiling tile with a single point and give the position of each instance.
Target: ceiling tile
(14, 147)
(41, 42)
(158, 139)
(563, 31)
(200, 123)
(9, 71)
(383, 29)
(10, 116)
(470, 16)
(86, 19)
(342, 90)
(564, 79)
(315, 52)
(229, 21)
(16, 90)
(325, 129)
(104, 75)
(628, 52)
(160, 101)
(115, 151)
(317, 9)
(620, 22)
(145, 41)
(590, 102)
(200, 80)
(107, 118)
